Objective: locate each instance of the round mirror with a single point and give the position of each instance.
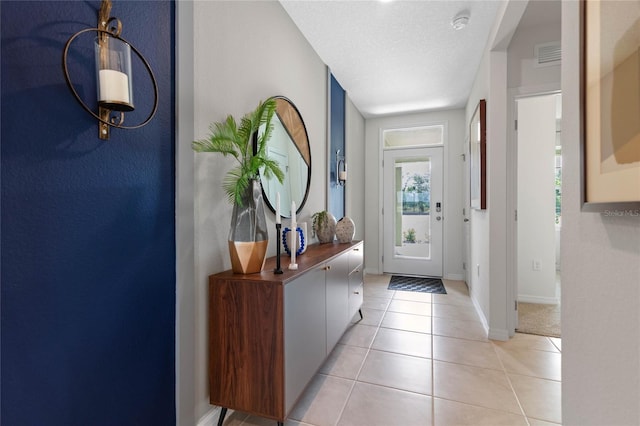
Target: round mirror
(289, 146)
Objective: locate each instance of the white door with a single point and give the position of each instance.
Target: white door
(413, 211)
(536, 198)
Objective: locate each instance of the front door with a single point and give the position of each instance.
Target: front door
(413, 211)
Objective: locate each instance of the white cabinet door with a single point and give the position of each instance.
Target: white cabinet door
(304, 332)
(337, 299)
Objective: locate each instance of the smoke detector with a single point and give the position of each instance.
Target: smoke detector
(460, 21)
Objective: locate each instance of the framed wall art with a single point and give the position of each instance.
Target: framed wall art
(478, 148)
(610, 99)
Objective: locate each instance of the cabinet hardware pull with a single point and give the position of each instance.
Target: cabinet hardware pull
(357, 270)
(356, 249)
(356, 292)
(327, 268)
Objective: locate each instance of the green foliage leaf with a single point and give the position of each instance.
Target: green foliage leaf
(229, 139)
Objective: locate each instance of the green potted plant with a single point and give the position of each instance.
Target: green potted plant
(324, 226)
(246, 142)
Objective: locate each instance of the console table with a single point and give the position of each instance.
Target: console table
(269, 334)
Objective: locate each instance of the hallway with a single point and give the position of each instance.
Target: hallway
(423, 359)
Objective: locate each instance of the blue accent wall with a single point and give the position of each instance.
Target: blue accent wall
(87, 227)
(337, 124)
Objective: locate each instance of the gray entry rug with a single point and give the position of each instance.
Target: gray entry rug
(421, 284)
(536, 318)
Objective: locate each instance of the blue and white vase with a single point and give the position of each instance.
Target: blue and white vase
(301, 245)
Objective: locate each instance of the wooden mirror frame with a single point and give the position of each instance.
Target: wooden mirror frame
(288, 115)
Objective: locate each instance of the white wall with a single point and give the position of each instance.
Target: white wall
(185, 273)
(526, 79)
(600, 281)
(522, 69)
(488, 227)
(536, 199)
(453, 196)
(478, 275)
(488, 286)
(243, 52)
(354, 188)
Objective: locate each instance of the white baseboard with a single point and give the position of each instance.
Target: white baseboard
(498, 334)
(454, 277)
(210, 418)
(371, 271)
(483, 319)
(492, 333)
(525, 298)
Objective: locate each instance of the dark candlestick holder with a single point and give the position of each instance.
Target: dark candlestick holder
(278, 269)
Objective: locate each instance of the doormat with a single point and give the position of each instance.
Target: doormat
(421, 284)
(535, 318)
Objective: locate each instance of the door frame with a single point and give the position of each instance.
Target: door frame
(445, 182)
(466, 211)
(512, 195)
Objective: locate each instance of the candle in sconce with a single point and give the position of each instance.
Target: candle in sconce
(277, 207)
(114, 86)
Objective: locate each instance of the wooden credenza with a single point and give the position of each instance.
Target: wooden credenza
(269, 334)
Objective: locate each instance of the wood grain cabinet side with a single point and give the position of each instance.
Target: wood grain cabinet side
(246, 340)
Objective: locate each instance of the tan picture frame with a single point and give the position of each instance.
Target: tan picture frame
(610, 100)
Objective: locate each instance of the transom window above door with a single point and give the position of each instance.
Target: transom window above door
(414, 136)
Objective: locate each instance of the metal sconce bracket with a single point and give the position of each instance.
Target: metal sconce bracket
(341, 172)
(104, 17)
(107, 117)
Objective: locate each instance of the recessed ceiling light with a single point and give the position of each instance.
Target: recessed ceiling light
(460, 21)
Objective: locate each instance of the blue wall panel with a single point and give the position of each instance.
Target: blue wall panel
(337, 124)
(87, 227)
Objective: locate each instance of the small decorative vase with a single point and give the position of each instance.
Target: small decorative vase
(345, 230)
(248, 236)
(301, 246)
(326, 230)
(305, 234)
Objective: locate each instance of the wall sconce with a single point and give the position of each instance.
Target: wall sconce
(341, 169)
(113, 74)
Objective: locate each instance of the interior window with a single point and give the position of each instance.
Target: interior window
(414, 136)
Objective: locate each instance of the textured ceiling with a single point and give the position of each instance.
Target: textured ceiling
(399, 56)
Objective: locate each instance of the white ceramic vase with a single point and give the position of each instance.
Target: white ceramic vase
(326, 231)
(345, 230)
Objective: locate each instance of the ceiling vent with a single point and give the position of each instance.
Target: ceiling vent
(548, 54)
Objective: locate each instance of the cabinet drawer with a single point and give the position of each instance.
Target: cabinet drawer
(355, 258)
(355, 299)
(355, 279)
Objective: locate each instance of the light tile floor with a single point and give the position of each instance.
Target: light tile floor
(421, 359)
